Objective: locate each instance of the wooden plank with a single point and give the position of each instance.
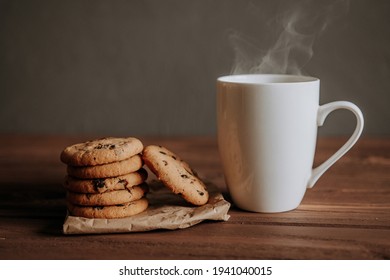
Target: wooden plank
(207, 241)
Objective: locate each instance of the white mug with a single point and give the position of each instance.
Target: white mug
(267, 131)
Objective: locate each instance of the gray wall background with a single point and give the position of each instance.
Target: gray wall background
(149, 67)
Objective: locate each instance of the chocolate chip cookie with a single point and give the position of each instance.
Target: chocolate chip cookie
(107, 198)
(101, 185)
(101, 151)
(112, 169)
(109, 212)
(175, 174)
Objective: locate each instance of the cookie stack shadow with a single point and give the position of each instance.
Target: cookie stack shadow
(105, 178)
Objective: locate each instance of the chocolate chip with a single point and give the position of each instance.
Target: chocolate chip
(165, 162)
(105, 146)
(124, 182)
(173, 157)
(184, 176)
(98, 183)
(201, 193)
(161, 152)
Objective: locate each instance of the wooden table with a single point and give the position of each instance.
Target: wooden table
(346, 215)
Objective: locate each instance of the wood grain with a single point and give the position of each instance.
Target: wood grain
(345, 216)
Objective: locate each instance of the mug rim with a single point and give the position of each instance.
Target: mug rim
(266, 79)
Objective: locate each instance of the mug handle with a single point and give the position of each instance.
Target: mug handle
(323, 112)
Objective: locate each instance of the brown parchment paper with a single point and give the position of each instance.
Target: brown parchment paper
(166, 211)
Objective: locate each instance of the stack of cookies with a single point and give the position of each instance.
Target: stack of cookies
(105, 178)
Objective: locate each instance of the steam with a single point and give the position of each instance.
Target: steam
(300, 22)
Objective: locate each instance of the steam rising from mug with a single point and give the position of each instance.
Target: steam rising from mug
(301, 22)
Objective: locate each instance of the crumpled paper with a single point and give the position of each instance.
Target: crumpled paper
(166, 211)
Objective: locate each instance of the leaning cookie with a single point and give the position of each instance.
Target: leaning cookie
(175, 174)
(101, 185)
(106, 170)
(109, 212)
(101, 151)
(107, 198)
